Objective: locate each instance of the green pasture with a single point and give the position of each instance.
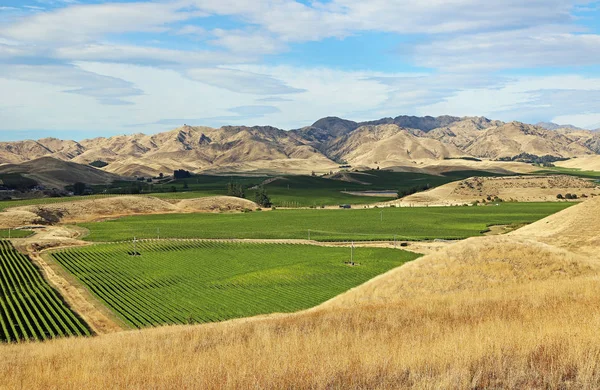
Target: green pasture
(408, 223)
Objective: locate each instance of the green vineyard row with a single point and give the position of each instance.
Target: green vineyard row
(177, 282)
(29, 308)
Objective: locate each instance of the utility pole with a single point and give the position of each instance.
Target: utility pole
(9, 233)
(352, 253)
(394, 240)
(158, 233)
(381, 214)
(134, 246)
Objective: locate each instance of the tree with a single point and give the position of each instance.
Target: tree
(161, 175)
(262, 198)
(181, 174)
(235, 189)
(185, 185)
(79, 188)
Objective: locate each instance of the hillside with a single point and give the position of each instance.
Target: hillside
(401, 141)
(491, 312)
(55, 173)
(507, 188)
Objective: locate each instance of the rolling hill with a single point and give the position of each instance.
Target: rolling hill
(322, 146)
(56, 173)
(513, 311)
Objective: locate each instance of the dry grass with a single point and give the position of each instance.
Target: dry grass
(539, 336)
(516, 188)
(117, 206)
(492, 312)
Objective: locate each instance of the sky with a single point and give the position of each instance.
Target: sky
(77, 69)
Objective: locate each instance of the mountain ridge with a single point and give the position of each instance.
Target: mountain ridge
(324, 145)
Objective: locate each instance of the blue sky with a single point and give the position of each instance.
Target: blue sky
(80, 69)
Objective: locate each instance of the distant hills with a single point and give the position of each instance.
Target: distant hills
(324, 145)
(555, 126)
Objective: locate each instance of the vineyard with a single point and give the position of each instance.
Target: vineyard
(29, 308)
(175, 282)
(408, 223)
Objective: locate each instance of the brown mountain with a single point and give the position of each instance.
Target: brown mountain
(321, 146)
(55, 173)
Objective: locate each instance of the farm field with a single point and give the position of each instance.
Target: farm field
(15, 233)
(417, 223)
(306, 191)
(29, 308)
(287, 191)
(175, 282)
(571, 171)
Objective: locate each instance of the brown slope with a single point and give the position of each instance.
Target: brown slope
(56, 173)
(387, 145)
(509, 188)
(576, 229)
(514, 138)
(464, 132)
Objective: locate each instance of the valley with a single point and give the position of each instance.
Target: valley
(260, 242)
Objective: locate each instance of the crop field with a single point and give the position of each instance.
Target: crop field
(29, 308)
(571, 172)
(414, 223)
(306, 191)
(175, 282)
(297, 190)
(15, 233)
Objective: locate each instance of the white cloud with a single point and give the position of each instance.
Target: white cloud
(525, 48)
(108, 90)
(80, 23)
(144, 55)
(294, 21)
(248, 42)
(241, 81)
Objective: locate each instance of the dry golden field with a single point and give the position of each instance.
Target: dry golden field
(515, 311)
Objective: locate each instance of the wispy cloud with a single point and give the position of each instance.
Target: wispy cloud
(241, 81)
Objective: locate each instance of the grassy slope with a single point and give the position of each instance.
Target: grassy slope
(358, 224)
(180, 282)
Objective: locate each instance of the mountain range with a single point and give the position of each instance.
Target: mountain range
(325, 144)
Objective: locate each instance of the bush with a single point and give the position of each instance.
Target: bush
(560, 196)
(98, 164)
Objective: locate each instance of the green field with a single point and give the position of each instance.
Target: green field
(570, 172)
(175, 282)
(5, 233)
(287, 191)
(306, 191)
(29, 308)
(418, 223)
